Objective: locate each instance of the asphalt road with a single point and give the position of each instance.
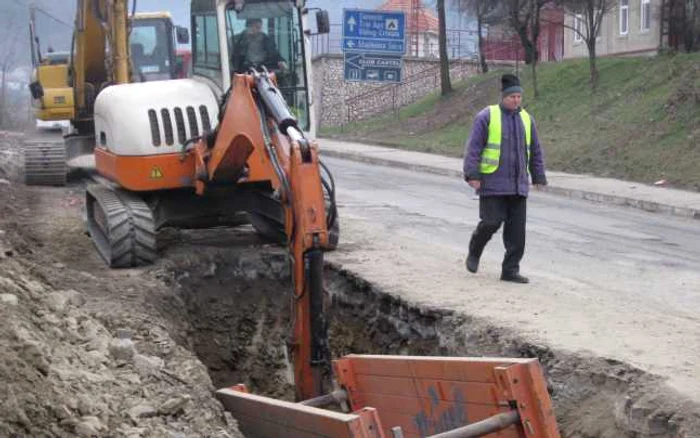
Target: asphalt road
(619, 282)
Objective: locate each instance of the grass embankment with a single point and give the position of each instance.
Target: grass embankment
(641, 124)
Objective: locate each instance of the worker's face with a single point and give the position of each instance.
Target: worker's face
(254, 27)
(512, 101)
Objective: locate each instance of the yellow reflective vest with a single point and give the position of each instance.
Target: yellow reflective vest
(491, 155)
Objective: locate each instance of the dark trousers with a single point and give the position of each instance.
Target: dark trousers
(493, 211)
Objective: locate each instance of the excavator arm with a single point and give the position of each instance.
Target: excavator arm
(258, 141)
(101, 51)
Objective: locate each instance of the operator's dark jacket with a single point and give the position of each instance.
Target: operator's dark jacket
(511, 178)
(240, 48)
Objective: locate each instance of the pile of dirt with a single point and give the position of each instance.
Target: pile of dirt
(85, 350)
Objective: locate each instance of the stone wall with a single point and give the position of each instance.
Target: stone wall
(339, 102)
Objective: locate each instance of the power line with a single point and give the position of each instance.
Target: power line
(48, 14)
(52, 17)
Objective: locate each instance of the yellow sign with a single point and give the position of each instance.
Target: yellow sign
(156, 173)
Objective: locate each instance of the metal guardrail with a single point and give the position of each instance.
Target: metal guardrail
(391, 97)
(359, 108)
(461, 44)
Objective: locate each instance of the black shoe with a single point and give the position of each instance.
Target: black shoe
(472, 263)
(515, 278)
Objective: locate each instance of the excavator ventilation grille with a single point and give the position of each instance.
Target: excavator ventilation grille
(162, 128)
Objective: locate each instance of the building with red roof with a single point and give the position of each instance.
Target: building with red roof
(421, 27)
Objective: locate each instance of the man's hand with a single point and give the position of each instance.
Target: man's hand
(474, 183)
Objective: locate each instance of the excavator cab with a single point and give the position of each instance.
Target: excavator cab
(153, 39)
(259, 34)
(266, 34)
(52, 98)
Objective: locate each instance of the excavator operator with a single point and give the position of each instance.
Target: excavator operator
(254, 48)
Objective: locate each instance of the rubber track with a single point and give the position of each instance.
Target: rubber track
(130, 237)
(45, 164)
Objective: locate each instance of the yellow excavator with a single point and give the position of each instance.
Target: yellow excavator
(110, 46)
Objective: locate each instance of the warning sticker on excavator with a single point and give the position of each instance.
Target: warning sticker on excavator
(156, 173)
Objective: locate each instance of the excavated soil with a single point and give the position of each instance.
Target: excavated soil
(85, 351)
(88, 351)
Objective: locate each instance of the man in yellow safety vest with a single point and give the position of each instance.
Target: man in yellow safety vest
(502, 154)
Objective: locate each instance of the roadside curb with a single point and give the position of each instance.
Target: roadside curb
(391, 163)
(602, 198)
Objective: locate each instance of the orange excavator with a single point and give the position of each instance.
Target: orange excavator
(238, 137)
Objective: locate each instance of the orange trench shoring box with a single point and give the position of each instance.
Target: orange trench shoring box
(411, 396)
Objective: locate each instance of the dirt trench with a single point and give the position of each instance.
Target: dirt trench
(237, 304)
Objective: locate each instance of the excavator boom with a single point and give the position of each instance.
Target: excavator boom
(100, 25)
(258, 140)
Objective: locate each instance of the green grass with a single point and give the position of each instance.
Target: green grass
(642, 123)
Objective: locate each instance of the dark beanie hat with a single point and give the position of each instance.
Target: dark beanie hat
(510, 84)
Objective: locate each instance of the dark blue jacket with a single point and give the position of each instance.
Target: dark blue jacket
(511, 178)
(240, 48)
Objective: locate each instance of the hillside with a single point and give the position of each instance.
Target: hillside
(642, 124)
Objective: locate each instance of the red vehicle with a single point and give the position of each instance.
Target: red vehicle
(183, 63)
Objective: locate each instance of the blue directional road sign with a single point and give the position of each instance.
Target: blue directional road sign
(374, 31)
(364, 67)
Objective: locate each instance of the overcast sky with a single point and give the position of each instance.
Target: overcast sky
(55, 19)
(65, 9)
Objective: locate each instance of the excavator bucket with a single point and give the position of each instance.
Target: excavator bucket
(408, 396)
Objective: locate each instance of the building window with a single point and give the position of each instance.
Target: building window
(578, 28)
(646, 15)
(624, 17)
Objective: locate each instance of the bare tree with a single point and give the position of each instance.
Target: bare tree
(524, 18)
(683, 18)
(445, 83)
(486, 12)
(692, 26)
(10, 58)
(587, 19)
